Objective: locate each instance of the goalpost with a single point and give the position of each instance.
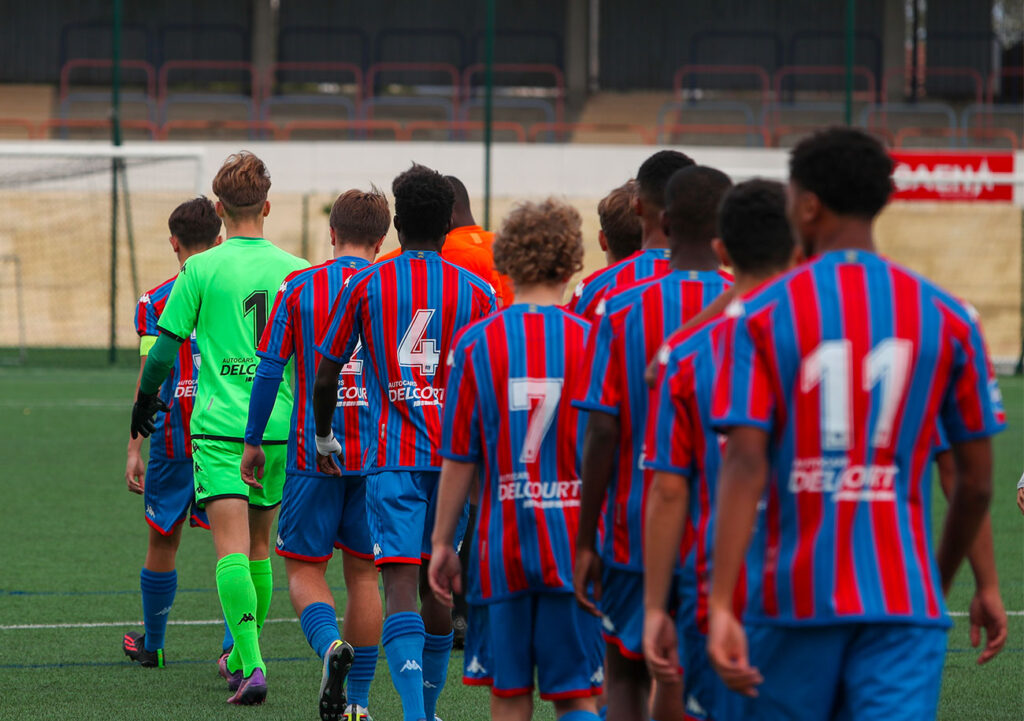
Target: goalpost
(72, 251)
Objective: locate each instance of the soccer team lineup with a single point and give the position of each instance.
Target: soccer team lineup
(695, 484)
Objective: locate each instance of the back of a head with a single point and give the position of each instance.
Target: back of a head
(242, 185)
(654, 175)
(423, 203)
(847, 169)
(692, 196)
(620, 224)
(540, 243)
(461, 195)
(359, 217)
(195, 223)
(753, 227)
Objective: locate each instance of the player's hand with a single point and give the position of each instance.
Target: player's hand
(445, 573)
(727, 651)
(146, 407)
(987, 613)
(326, 447)
(661, 646)
(1020, 499)
(587, 572)
(253, 462)
(135, 472)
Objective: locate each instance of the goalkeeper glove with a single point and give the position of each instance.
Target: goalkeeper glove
(146, 407)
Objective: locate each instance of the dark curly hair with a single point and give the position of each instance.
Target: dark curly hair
(847, 169)
(423, 203)
(655, 172)
(540, 243)
(753, 226)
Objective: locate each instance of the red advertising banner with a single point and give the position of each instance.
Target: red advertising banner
(965, 173)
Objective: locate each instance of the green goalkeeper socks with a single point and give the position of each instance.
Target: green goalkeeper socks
(238, 599)
(263, 581)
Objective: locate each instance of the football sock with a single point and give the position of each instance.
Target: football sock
(157, 598)
(580, 716)
(436, 651)
(229, 640)
(360, 676)
(263, 582)
(320, 624)
(238, 599)
(403, 639)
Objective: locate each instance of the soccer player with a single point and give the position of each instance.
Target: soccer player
(468, 246)
(320, 512)
(633, 323)
(755, 240)
(831, 383)
(404, 313)
(653, 258)
(166, 485)
(621, 232)
(509, 416)
(224, 295)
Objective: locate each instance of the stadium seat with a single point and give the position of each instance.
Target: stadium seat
(300, 90)
(242, 74)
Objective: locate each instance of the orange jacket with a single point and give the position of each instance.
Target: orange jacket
(469, 247)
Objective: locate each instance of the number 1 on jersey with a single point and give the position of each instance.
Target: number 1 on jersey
(416, 350)
(256, 303)
(521, 391)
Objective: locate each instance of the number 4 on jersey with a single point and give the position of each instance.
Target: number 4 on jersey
(416, 350)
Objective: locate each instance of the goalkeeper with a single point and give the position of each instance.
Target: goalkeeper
(224, 295)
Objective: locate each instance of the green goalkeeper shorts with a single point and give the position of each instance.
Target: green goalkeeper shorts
(217, 466)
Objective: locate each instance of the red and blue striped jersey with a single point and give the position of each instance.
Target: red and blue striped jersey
(510, 411)
(297, 324)
(171, 440)
(633, 324)
(405, 313)
(849, 363)
(642, 265)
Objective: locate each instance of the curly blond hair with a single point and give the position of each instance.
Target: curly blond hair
(540, 242)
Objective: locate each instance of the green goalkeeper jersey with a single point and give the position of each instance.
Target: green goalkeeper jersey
(224, 294)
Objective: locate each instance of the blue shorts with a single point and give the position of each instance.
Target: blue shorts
(321, 513)
(169, 496)
(476, 661)
(622, 605)
(703, 688)
(400, 509)
(868, 672)
(543, 632)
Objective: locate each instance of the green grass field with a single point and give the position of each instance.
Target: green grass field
(73, 539)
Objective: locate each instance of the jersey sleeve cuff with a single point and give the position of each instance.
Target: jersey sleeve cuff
(452, 456)
(665, 467)
(172, 334)
(326, 353)
(987, 432)
(587, 405)
(723, 424)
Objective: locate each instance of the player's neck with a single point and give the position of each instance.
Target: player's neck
(540, 293)
(244, 228)
(743, 283)
(692, 256)
(845, 234)
(409, 244)
(365, 252)
(461, 220)
(653, 235)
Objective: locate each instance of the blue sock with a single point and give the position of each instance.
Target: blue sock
(403, 639)
(436, 651)
(580, 716)
(602, 712)
(320, 624)
(360, 676)
(157, 598)
(229, 640)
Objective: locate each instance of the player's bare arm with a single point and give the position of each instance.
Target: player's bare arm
(599, 447)
(740, 485)
(445, 573)
(968, 505)
(667, 502)
(987, 611)
(325, 399)
(135, 467)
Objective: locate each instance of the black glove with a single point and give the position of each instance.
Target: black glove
(143, 412)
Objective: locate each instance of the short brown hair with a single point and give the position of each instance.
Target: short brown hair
(540, 243)
(361, 217)
(195, 223)
(619, 221)
(242, 184)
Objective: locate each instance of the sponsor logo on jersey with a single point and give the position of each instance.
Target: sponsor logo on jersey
(404, 390)
(186, 389)
(844, 482)
(543, 494)
(410, 665)
(239, 367)
(350, 396)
